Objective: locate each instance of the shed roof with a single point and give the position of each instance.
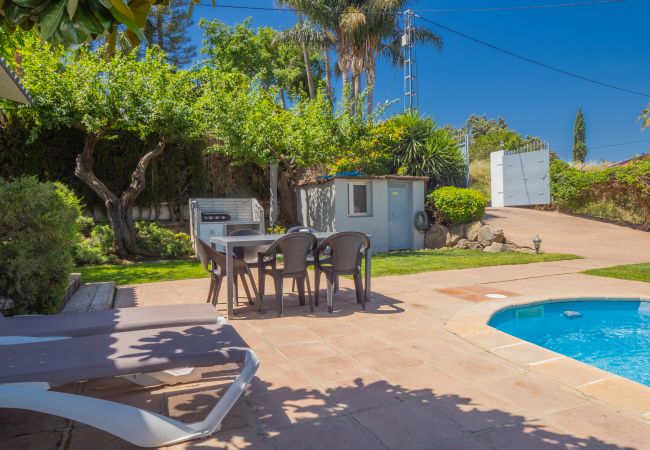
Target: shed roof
(10, 86)
(327, 179)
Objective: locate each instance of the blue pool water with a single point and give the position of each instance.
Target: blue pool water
(610, 335)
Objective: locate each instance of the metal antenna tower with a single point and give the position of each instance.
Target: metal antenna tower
(410, 66)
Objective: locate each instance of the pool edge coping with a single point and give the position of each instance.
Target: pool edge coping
(471, 324)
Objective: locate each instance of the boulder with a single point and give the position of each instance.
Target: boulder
(495, 247)
(463, 243)
(473, 245)
(488, 234)
(436, 236)
(526, 250)
(456, 233)
(471, 230)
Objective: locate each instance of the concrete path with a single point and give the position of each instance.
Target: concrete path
(568, 234)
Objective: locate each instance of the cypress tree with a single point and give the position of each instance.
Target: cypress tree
(579, 139)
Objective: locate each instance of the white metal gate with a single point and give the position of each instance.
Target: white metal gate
(520, 177)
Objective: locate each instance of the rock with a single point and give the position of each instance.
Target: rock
(488, 234)
(463, 243)
(436, 236)
(510, 247)
(471, 230)
(526, 250)
(495, 247)
(456, 233)
(473, 245)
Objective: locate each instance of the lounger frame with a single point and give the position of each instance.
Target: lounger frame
(135, 425)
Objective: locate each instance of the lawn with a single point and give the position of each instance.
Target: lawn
(635, 272)
(394, 263)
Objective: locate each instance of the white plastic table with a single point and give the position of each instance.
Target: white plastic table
(228, 243)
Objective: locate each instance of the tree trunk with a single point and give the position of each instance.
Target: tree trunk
(283, 103)
(371, 77)
(328, 74)
(305, 55)
(118, 209)
(287, 195)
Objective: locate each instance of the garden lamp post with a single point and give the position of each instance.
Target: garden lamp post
(537, 241)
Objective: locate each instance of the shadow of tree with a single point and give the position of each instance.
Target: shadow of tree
(378, 414)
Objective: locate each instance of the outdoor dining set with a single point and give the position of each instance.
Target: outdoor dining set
(282, 257)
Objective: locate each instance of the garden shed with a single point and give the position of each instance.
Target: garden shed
(381, 206)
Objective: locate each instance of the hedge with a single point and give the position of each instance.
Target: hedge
(458, 205)
(38, 231)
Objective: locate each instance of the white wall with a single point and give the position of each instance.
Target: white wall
(325, 207)
(315, 205)
(376, 224)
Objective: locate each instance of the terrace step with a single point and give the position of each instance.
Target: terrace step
(91, 297)
(74, 281)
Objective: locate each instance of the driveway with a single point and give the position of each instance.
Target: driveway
(614, 244)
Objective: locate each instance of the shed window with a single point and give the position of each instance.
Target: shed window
(358, 199)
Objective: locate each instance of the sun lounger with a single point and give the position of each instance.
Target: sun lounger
(14, 329)
(28, 371)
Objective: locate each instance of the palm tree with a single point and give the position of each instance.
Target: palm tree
(382, 37)
(308, 36)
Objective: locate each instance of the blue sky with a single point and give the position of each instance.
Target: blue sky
(606, 42)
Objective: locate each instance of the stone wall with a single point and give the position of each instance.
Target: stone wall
(474, 236)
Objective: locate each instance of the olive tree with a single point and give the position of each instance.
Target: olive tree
(250, 126)
(102, 98)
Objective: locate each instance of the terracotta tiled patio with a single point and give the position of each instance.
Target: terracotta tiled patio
(398, 376)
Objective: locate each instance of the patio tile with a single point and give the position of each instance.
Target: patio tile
(289, 406)
(479, 368)
(526, 353)
(380, 359)
(363, 393)
(330, 329)
(571, 372)
(270, 378)
(622, 393)
(290, 336)
(429, 350)
(338, 433)
(241, 438)
(408, 425)
(475, 409)
(334, 368)
(36, 441)
(17, 422)
(534, 395)
(307, 350)
(422, 380)
(463, 443)
(82, 436)
(603, 424)
(493, 339)
(534, 435)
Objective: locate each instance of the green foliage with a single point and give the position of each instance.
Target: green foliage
(424, 150)
(168, 26)
(490, 135)
(276, 229)
(143, 272)
(163, 241)
(98, 246)
(258, 54)
(627, 187)
(75, 22)
(579, 138)
(38, 231)
(105, 96)
(458, 205)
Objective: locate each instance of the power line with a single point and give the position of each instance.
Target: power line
(532, 61)
(448, 10)
(522, 7)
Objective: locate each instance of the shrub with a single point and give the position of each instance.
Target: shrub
(38, 232)
(162, 241)
(458, 205)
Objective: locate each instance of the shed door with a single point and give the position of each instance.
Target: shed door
(399, 217)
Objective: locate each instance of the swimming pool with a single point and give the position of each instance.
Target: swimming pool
(610, 335)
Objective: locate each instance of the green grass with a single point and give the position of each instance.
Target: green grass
(635, 272)
(142, 272)
(403, 263)
(394, 263)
